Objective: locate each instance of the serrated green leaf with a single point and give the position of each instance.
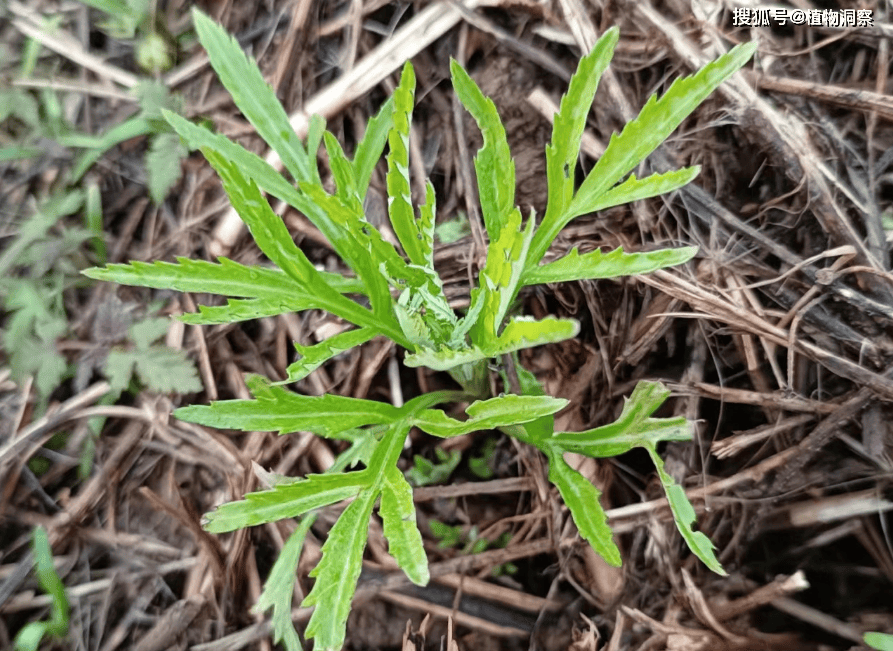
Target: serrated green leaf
(427, 220)
(633, 189)
(279, 588)
(118, 369)
(684, 515)
(444, 359)
(312, 357)
(655, 122)
(254, 97)
(163, 165)
(500, 279)
(315, 130)
(582, 498)
(227, 278)
(493, 163)
(285, 501)
(144, 333)
(371, 146)
(633, 428)
(342, 171)
(520, 333)
(398, 517)
(249, 163)
(367, 251)
(276, 291)
(278, 410)
(488, 414)
(266, 227)
(567, 132)
(167, 370)
(614, 264)
(527, 332)
(237, 310)
(400, 208)
(338, 572)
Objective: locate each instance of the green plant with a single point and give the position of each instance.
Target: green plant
(30, 118)
(425, 473)
(407, 305)
(29, 637)
(38, 264)
(880, 641)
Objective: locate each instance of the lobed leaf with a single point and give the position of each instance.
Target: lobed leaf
(237, 310)
(398, 517)
(371, 146)
(286, 500)
(582, 498)
(249, 163)
(567, 133)
(527, 332)
(342, 171)
(633, 189)
(493, 164)
(488, 414)
(266, 227)
(613, 264)
(312, 357)
(367, 251)
(400, 208)
(270, 181)
(275, 291)
(500, 279)
(254, 97)
(227, 278)
(279, 588)
(278, 410)
(655, 122)
(519, 333)
(338, 572)
(633, 428)
(684, 515)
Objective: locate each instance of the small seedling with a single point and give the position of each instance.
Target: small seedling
(30, 636)
(406, 304)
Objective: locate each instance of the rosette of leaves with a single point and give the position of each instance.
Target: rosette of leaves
(406, 304)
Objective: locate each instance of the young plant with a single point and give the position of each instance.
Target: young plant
(407, 304)
(30, 636)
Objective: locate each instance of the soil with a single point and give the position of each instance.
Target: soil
(777, 339)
